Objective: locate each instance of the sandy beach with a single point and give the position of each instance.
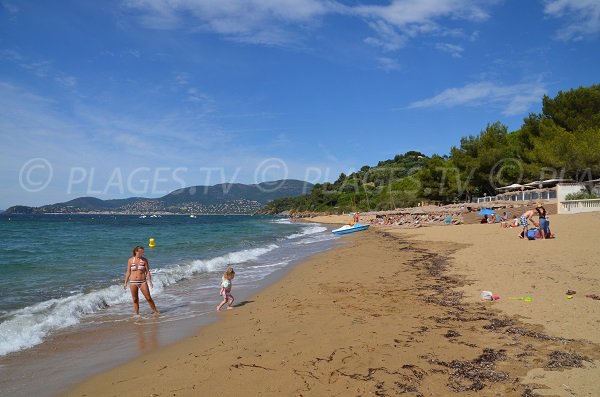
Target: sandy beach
(398, 312)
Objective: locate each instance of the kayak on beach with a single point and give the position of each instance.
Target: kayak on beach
(357, 227)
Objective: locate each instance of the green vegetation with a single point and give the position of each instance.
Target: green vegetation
(561, 142)
(583, 195)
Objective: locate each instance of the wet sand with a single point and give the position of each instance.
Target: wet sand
(397, 312)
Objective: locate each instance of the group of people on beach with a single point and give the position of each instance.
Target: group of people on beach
(416, 220)
(139, 279)
(542, 226)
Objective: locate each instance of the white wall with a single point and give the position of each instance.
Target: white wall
(562, 189)
(577, 206)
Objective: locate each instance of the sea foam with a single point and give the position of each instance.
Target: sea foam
(312, 229)
(29, 326)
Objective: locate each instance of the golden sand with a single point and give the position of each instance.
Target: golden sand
(398, 312)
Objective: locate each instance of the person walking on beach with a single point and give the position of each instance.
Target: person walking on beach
(138, 276)
(226, 284)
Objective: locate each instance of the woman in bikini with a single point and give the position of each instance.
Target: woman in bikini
(138, 275)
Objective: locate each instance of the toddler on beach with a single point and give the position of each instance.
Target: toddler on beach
(226, 289)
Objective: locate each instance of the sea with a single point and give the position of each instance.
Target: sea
(64, 314)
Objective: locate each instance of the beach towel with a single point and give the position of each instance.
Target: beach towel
(534, 233)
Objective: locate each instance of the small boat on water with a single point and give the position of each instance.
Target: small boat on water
(357, 227)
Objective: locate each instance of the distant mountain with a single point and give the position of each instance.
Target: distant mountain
(92, 203)
(20, 209)
(229, 198)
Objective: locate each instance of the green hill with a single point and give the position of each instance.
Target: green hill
(383, 186)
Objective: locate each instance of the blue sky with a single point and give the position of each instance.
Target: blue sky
(139, 97)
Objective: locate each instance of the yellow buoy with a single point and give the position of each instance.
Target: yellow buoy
(151, 243)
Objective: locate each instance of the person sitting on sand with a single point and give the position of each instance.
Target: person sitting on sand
(504, 220)
(138, 275)
(226, 284)
(524, 221)
(515, 222)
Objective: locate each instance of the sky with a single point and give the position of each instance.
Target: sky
(124, 98)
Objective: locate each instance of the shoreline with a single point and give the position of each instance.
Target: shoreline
(136, 338)
(425, 335)
(105, 340)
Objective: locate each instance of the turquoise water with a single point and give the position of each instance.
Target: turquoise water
(60, 271)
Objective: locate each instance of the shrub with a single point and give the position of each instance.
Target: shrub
(582, 195)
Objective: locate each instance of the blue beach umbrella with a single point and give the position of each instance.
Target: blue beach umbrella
(485, 211)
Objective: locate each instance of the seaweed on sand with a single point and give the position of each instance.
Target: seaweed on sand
(535, 335)
(497, 323)
(451, 334)
(558, 359)
(529, 393)
(472, 375)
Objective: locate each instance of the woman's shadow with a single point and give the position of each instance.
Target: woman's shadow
(242, 303)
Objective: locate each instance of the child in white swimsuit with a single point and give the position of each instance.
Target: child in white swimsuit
(226, 285)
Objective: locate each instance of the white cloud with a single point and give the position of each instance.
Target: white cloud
(11, 55)
(38, 68)
(133, 53)
(282, 139)
(278, 22)
(404, 13)
(254, 21)
(514, 99)
(401, 20)
(204, 102)
(388, 37)
(455, 50)
(182, 78)
(182, 82)
(583, 17)
(79, 134)
(9, 6)
(388, 64)
(67, 81)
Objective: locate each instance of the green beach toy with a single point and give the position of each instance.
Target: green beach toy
(522, 298)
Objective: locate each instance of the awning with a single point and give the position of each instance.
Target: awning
(514, 186)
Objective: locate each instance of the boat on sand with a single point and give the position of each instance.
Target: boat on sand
(357, 227)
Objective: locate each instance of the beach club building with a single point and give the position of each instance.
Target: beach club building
(552, 191)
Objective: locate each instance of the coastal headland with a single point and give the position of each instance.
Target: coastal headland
(398, 312)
